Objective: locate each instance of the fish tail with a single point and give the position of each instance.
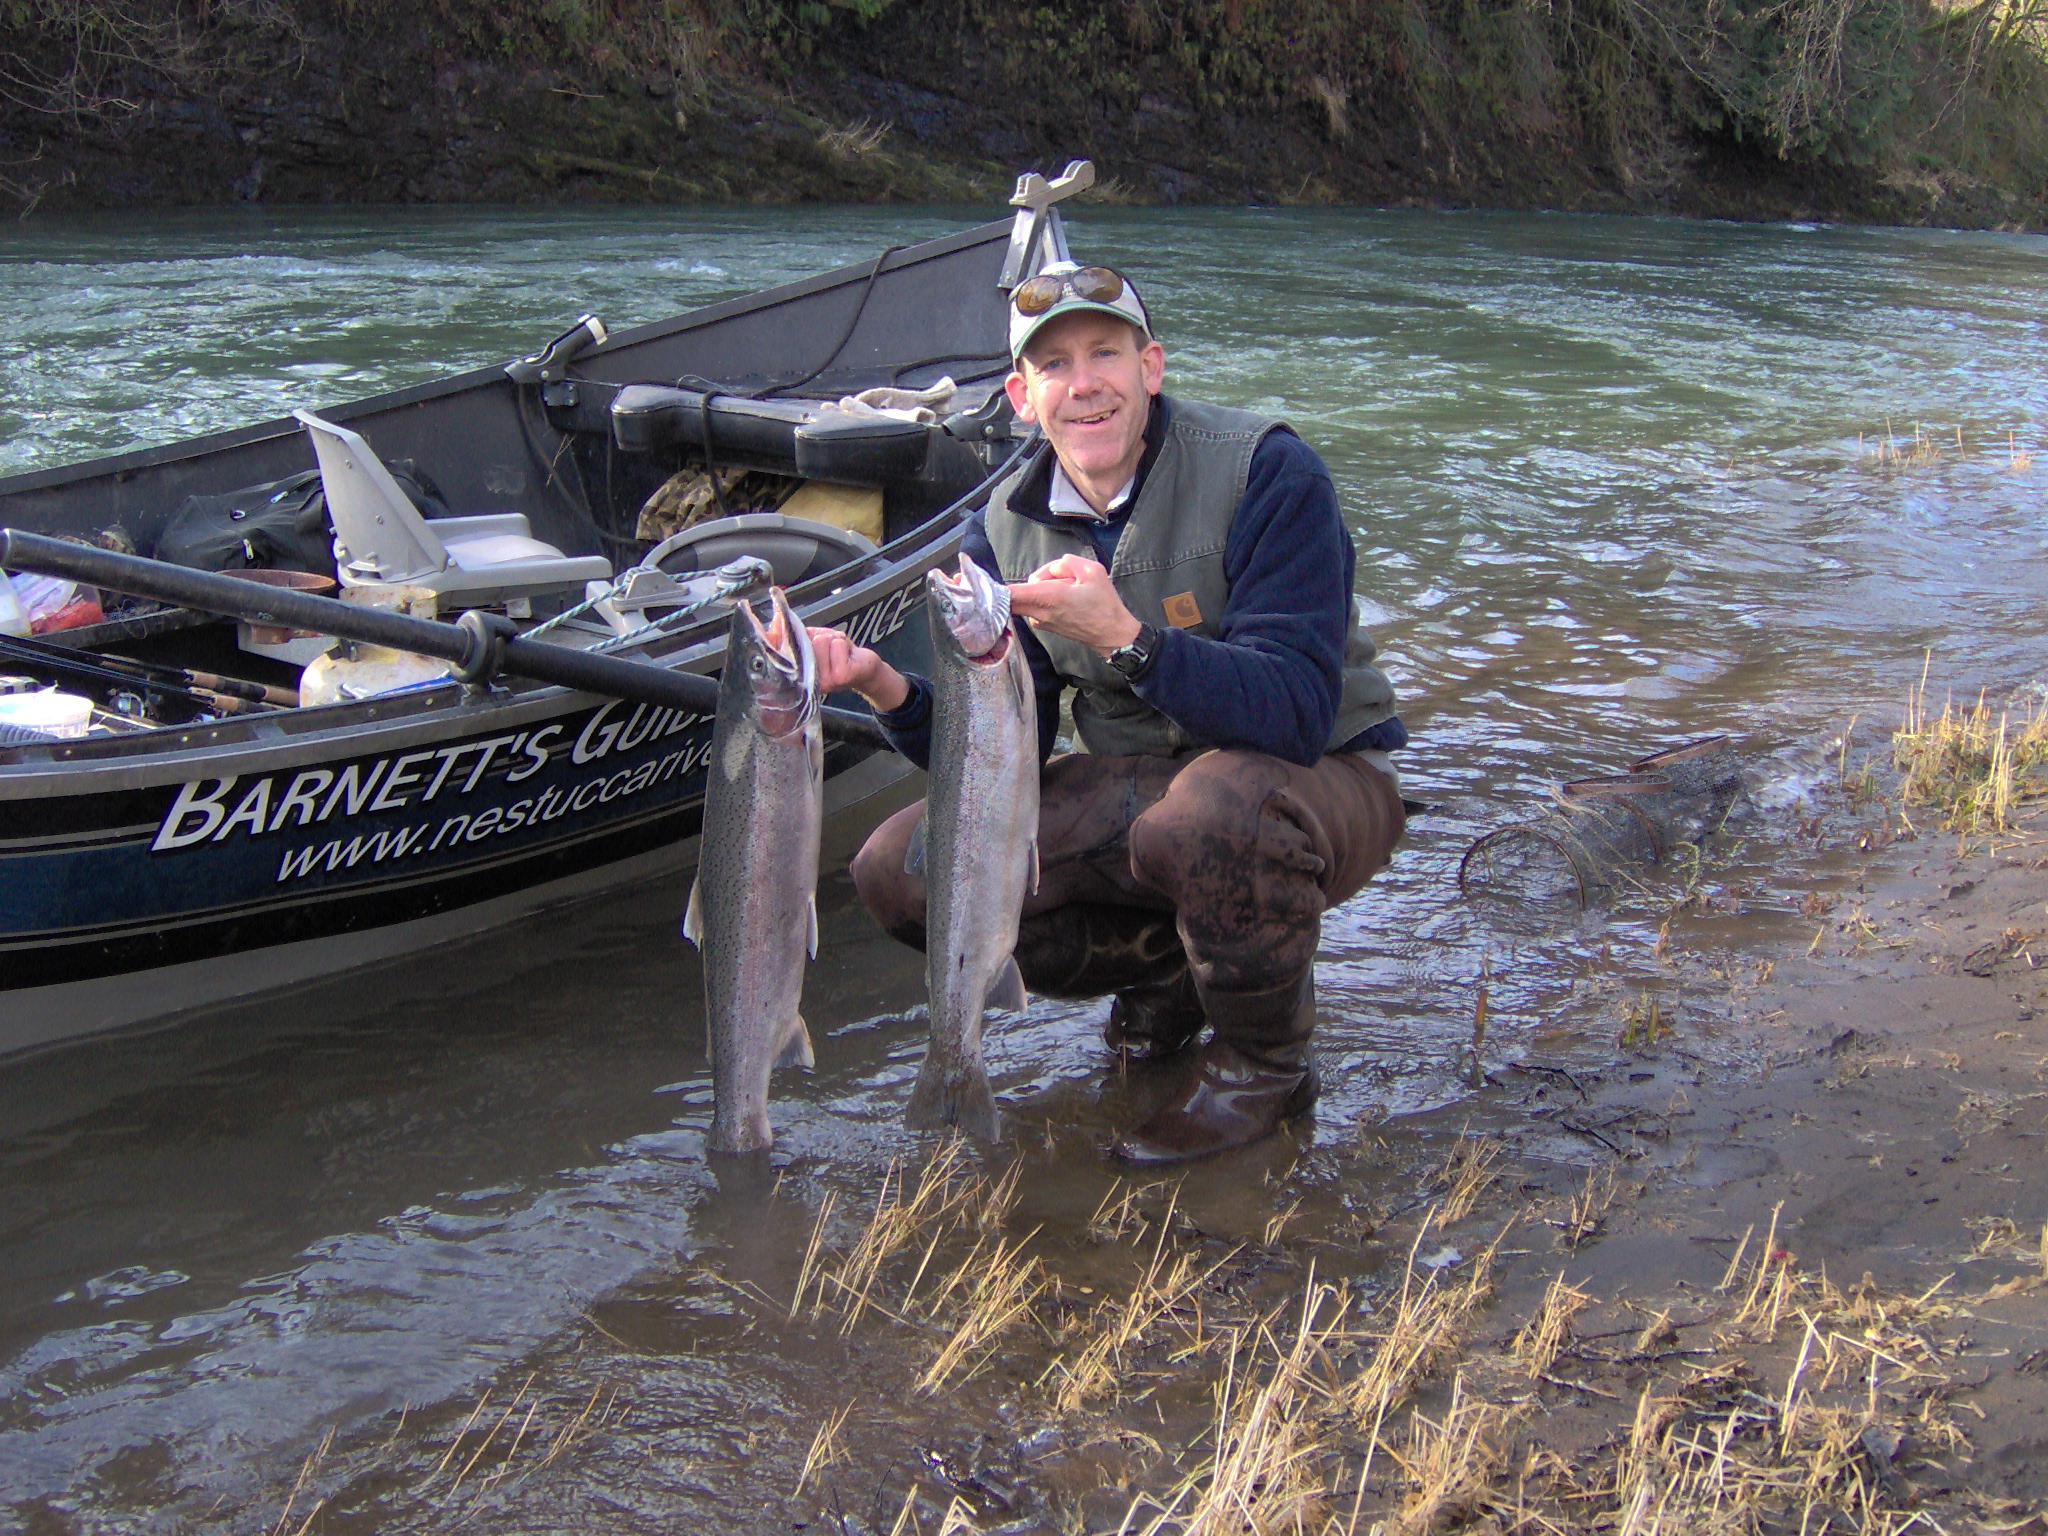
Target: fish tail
(945, 1097)
(742, 1132)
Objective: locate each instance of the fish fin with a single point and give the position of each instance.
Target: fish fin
(1032, 890)
(693, 914)
(814, 929)
(913, 856)
(796, 1046)
(1007, 990)
(966, 1101)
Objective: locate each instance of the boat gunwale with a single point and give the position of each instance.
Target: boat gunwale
(281, 747)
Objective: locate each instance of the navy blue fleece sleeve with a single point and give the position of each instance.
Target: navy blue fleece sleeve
(1271, 678)
(909, 726)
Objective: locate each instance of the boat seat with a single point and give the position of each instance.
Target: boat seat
(467, 562)
(797, 547)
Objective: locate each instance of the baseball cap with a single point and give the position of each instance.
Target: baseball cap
(1066, 287)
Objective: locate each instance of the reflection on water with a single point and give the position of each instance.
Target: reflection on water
(1615, 484)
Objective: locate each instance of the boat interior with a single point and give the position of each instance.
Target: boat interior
(669, 504)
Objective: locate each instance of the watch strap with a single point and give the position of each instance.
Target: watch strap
(1135, 660)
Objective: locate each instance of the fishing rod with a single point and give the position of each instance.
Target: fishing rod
(480, 645)
(151, 675)
(70, 666)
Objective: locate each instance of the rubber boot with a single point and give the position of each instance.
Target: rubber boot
(1086, 949)
(1152, 1023)
(1248, 1081)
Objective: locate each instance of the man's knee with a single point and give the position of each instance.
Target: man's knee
(894, 897)
(1206, 827)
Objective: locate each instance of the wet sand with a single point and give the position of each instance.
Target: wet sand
(1877, 1108)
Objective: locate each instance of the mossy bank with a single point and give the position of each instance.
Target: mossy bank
(1881, 110)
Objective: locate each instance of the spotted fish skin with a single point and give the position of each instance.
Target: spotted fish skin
(980, 842)
(753, 910)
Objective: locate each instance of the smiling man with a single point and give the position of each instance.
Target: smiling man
(1184, 569)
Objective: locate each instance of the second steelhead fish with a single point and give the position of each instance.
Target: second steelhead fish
(980, 840)
(753, 910)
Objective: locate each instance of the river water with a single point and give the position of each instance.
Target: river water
(1615, 483)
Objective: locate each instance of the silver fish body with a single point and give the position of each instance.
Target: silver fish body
(753, 910)
(980, 841)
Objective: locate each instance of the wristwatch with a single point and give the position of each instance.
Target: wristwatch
(1135, 660)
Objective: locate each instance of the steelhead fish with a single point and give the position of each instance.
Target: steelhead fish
(753, 910)
(979, 843)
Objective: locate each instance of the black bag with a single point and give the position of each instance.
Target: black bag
(281, 525)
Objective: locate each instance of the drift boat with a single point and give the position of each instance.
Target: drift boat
(215, 833)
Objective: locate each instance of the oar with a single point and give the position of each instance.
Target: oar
(480, 645)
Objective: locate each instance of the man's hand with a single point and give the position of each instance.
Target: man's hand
(1073, 596)
(842, 665)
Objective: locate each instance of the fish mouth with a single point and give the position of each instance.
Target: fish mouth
(785, 688)
(994, 653)
(975, 608)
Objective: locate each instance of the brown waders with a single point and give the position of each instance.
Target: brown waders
(1193, 888)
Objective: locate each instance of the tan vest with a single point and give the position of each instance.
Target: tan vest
(1169, 571)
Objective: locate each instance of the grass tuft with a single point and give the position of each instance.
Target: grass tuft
(1978, 765)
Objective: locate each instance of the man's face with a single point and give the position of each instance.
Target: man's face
(1087, 380)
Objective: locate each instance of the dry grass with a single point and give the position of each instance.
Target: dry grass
(1264, 1474)
(1466, 1175)
(895, 1268)
(1978, 765)
(826, 1449)
(854, 141)
(1115, 1330)
(1804, 1407)
(1537, 1342)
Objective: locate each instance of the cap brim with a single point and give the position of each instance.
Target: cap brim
(1070, 305)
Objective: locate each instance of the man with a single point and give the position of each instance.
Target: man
(1184, 568)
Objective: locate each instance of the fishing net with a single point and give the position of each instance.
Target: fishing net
(1604, 832)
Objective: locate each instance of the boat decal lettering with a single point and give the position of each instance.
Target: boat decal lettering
(304, 795)
(447, 756)
(553, 802)
(190, 802)
(885, 617)
(594, 743)
(352, 788)
(486, 750)
(346, 853)
(634, 731)
(401, 778)
(253, 811)
(537, 755)
(602, 736)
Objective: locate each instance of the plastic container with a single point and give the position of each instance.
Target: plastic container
(66, 716)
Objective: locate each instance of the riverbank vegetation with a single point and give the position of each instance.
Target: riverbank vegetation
(1895, 110)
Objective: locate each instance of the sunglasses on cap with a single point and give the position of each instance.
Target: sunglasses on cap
(1096, 285)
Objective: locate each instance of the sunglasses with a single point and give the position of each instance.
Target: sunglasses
(1097, 285)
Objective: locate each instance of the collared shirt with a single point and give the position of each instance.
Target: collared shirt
(1065, 498)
